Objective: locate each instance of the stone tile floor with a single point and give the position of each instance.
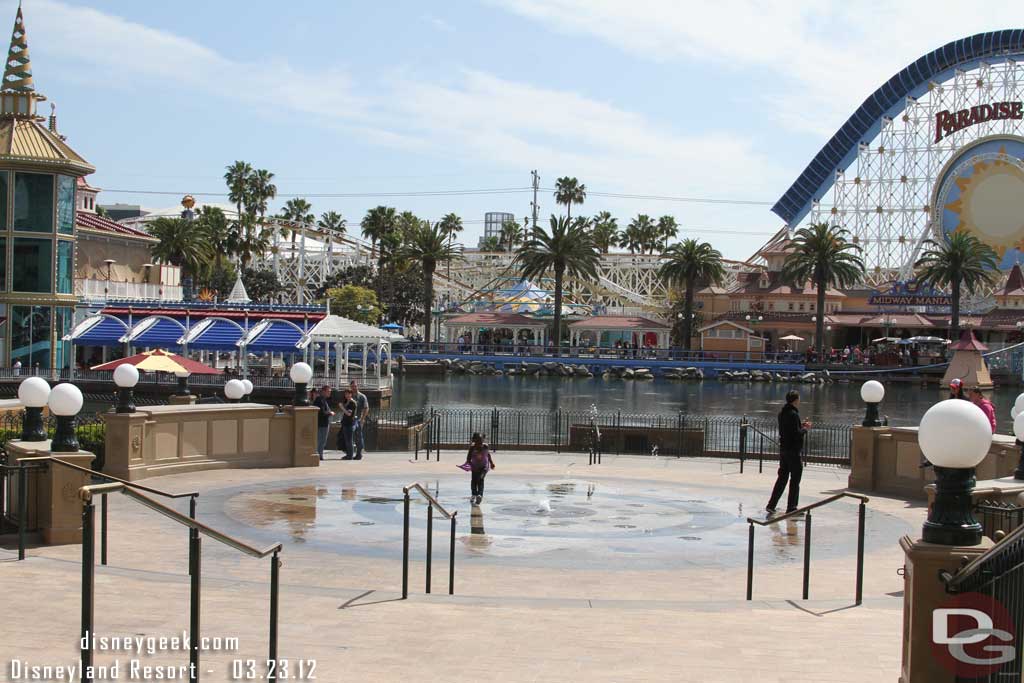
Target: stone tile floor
(530, 616)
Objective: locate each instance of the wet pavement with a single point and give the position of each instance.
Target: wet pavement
(561, 522)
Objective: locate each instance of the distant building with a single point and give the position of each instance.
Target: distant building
(493, 220)
(117, 212)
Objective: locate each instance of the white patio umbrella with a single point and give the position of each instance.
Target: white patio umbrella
(791, 337)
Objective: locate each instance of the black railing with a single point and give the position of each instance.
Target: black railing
(431, 504)
(996, 517)
(678, 435)
(999, 574)
(195, 531)
(806, 512)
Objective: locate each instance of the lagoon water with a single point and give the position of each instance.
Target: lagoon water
(904, 403)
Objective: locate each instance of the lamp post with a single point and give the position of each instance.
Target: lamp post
(301, 373)
(234, 390)
(247, 387)
(65, 402)
(106, 288)
(182, 376)
(872, 393)
(33, 393)
(126, 376)
(954, 436)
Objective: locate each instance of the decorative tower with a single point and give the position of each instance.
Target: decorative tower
(38, 174)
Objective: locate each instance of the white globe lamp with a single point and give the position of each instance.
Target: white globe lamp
(65, 402)
(126, 376)
(872, 392)
(954, 436)
(301, 373)
(234, 390)
(1019, 403)
(247, 385)
(33, 393)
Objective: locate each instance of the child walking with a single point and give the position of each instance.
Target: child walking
(480, 461)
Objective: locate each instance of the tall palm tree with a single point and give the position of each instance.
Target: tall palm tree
(223, 240)
(238, 176)
(262, 190)
(511, 234)
(641, 235)
(452, 225)
(961, 262)
(666, 231)
(605, 230)
(490, 243)
(569, 191)
(567, 250)
(688, 264)
(298, 210)
(332, 222)
(379, 226)
(821, 253)
(428, 245)
(181, 243)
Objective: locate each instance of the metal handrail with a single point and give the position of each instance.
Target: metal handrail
(806, 512)
(196, 530)
(953, 580)
(431, 504)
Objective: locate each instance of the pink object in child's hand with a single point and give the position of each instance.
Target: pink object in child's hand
(465, 466)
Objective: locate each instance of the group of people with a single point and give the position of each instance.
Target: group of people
(976, 396)
(353, 407)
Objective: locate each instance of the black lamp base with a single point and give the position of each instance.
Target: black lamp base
(301, 395)
(125, 401)
(950, 520)
(182, 387)
(32, 428)
(65, 438)
(871, 416)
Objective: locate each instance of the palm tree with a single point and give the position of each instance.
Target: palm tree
(605, 230)
(298, 210)
(568, 249)
(262, 190)
(490, 243)
(379, 226)
(569, 191)
(666, 231)
(238, 176)
(181, 243)
(511, 234)
(428, 245)
(821, 253)
(452, 225)
(332, 223)
(960, 261)
(688, 264)
(223, 240)
(640, 235)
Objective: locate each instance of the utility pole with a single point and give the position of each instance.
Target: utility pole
(533, 205)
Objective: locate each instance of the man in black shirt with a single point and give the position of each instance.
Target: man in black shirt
(322, 400)
(791, 443)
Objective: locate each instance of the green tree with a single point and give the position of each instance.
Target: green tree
(641, 235)
(569, 191)
(101, 212)
(666, 231)
(355, 303)
(181, 243)
(567, 250)
(261, 191)
(238, 178)
(262, 285)
(511, 234)
(452, 225)
(429, 246)
(687, 265)
(219, 280)
(491, 243)
(820, 253)
(298, 210)
(605, 230)
(379, 225)
(332, 223)
(960, 262)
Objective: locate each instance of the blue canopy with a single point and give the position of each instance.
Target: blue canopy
(219, 335)
(106, 332)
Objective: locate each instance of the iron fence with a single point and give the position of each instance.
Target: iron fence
(91, 431)
(998, 516)
(679, 434)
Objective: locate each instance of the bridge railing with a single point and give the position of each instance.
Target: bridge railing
(198, 381)
(586, 352)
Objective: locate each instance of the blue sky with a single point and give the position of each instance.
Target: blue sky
(725, 100)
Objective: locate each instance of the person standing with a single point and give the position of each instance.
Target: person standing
(322, 400)
(17, 368)
(362, 412)
(348, 413)
(791, 443)
(978, 399)
(956, 389)
(480, 462)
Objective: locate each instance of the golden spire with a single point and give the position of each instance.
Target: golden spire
(18, 70)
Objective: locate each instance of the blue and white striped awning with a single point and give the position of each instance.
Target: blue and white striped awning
(155, 332)
(98, 330)
(272, 335)
(213, 334)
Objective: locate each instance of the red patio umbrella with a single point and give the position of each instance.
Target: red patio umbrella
(159, 360)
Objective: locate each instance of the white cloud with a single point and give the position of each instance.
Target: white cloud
(439, 23)
(827, 56)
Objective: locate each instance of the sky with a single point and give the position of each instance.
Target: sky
(672, 100)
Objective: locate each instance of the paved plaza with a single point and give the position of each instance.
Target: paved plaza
(631, 570)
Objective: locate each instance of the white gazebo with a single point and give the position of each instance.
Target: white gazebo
(343, 333)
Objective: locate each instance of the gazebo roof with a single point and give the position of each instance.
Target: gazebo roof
(335, 328)
(968, 342)
(490, 319)
(617, 322)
